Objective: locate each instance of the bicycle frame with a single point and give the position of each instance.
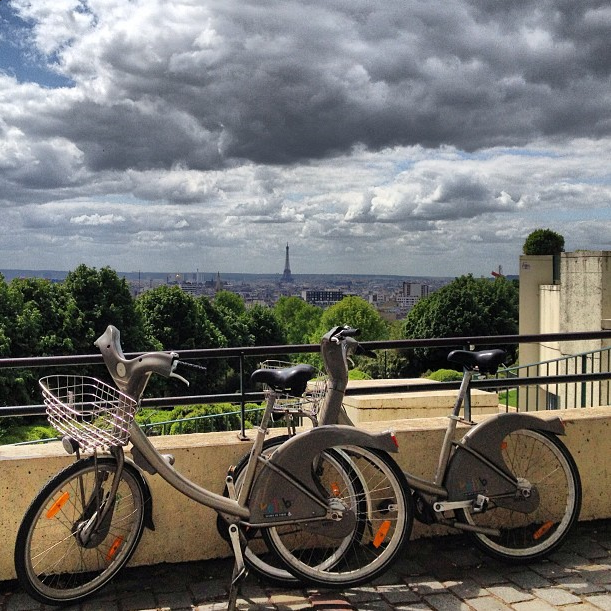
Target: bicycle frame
(337, 346)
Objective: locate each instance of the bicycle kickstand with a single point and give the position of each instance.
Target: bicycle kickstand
(239, 568)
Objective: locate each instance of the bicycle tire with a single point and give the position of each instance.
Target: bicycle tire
(388, 519)
(543, 460)
(51, 564)
(257, 554)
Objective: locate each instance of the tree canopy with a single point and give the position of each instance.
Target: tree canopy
(465, 307)
(543, 242)
(298, 318)
(356, 312)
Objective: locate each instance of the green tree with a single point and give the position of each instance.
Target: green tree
(230, 325)
(103, 299)
(175, 320)
(230, 301)
(47, 318)
(298, 318)
(465, 307)
(356, 312)
(543, 242)
(171, 319)
(264, 327)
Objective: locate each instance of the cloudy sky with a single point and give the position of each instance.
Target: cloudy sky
(408, 137)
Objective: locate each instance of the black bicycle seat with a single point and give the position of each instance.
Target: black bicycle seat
(291, 380)
(486, 361)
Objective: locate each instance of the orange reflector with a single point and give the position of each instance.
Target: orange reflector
(381, 534)
(503, 445)
(541, 531)
(56, 507)
(114, 548)
(335, 489)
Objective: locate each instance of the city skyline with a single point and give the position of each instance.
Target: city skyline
(410, 139)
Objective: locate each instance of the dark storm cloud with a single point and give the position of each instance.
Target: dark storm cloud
(286, 82)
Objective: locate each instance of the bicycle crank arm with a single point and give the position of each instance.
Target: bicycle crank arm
(477, 505)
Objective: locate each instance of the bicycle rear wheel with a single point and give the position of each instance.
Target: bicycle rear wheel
(384, 516)
(53, 565)
(544, 461)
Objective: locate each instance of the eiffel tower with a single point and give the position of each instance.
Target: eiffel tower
(286, 276)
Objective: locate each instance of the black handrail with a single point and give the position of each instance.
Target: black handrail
(241, 353)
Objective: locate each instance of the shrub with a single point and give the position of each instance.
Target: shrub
(445, 375)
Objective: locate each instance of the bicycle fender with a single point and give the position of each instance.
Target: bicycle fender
(275, 498)
(146, 491)
(467, 475)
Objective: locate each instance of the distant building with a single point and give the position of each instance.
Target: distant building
(410, 294)
(322, 298)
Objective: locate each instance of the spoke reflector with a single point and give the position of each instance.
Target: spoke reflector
(56, 507)
(381, 534)
(114, 548)
(541, 531)
(335, 489)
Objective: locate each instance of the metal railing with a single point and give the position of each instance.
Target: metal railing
(245, 395)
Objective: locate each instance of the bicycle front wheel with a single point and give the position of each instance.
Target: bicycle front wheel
(53, 563)
(384, 513)
(547, 465)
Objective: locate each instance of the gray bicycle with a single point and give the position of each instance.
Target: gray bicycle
(510, 482)
(308, 498)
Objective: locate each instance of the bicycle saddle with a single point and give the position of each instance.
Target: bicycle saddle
(486, 361)
(291, 380)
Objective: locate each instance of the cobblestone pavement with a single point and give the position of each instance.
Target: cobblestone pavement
(444, 574)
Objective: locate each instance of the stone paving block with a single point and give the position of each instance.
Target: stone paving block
(555, 596)
(467, 588)
(510, 593)
(21, 602)
(216, 606)
(596, 573)
(551, 570)
(175, 600)
(321, 601)
(209, 589)
(361, 594)
(529, 579)
(412, 607)
(488, 603)
(487, 577)
(446, 602)
(397, 593)
(138, 600)
(602, 601)
(375, 605)
(580, 607)
(578, 585)
(533, 605)
(425, 584)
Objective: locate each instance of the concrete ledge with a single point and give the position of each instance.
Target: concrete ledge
(400, 405)
(186, 531)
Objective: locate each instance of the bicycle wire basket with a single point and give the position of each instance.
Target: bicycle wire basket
(309, 402)
(88, 410)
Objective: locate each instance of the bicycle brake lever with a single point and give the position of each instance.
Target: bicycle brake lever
(179, 377)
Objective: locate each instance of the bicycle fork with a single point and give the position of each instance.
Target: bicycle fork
(98, 510)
